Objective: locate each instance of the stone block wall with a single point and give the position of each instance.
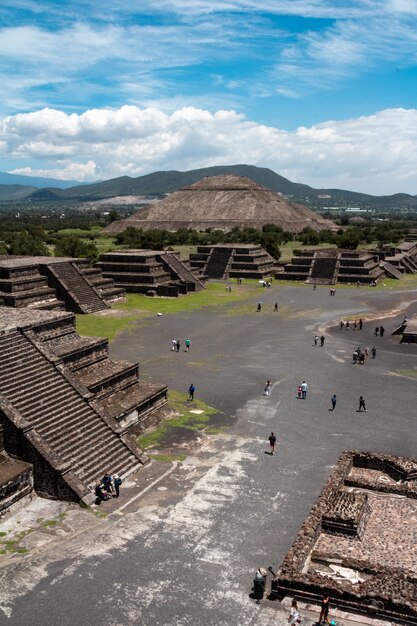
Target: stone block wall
(389, 592)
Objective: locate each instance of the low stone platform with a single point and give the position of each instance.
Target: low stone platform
(66, 407)
(16, 482)
(374, 570)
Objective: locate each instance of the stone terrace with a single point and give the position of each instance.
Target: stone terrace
(225, 261)
(371, 570)
(66, 407)
(55, 283)
(150, 272)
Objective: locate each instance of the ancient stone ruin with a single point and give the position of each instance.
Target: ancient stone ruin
(224, 261)
(66, 407)
(359, 542)
(151, 272)
(223, 202)
(55, 283)
(332, 265)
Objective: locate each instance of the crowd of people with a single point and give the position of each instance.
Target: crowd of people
(108, 487)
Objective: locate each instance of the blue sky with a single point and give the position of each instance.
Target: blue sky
(323, 92)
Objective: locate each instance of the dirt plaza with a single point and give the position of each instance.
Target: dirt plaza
(218, 506)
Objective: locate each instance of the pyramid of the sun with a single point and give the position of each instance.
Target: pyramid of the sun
(223, 202)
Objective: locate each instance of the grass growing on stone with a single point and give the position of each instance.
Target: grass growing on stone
(49, 522)
(184, 419)
(12, 545)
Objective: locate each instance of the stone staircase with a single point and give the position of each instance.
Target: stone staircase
(181, 271)
(323, 269)
(218, 262)
(105, 287)
(390, 270)
(72, 286)
(70, 443)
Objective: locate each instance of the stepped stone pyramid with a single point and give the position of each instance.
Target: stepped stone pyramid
(331, 265)
(150, 272)
(225, 261)
(55, 283)
(66, 407)
(223, 202)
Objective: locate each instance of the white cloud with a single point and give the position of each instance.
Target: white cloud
(375, 154)
(72, 171)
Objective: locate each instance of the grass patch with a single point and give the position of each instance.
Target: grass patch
(3, 533)
(12, 545)
(166, 458)
(103, 326)
(214, 295)
(49, 522)
(215, 430)
(138, 307)
(185, 419)
(407, 372)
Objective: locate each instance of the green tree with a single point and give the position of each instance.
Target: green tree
(26, 244)
(76, 248)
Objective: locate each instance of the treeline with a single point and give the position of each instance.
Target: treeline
(269, 237)
(35, 241)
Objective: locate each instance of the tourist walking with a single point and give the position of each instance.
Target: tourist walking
(347, 325)
(341, 324)
(304, 389)
(315, 339)
(178, 345)
(324, 610)
(259, 308)
(322, 341)
(360, 324)
(191, 391)
(362, 404)
(334, 400)
(294, 617)
(174, 345)
(267, 388)
(187, 345)
(299, 391)
(117, 481)
(272, 441)
(275, 307)
(373, 350)
(376, 331)
(381, 331)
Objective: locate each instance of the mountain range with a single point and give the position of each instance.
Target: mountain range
(158, 184)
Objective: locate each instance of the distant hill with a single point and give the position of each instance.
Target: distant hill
(35, 181)
(162, 183)
(15, 192)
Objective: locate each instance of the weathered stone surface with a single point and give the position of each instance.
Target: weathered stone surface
(382, 557)
(223, 202)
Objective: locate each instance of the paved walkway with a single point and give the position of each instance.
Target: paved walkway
(187, 538)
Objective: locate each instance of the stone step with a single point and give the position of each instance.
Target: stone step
(94, 470)
(32, 385)
(102, 376)
(49, 424)
(94, 445)
(74, 436)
